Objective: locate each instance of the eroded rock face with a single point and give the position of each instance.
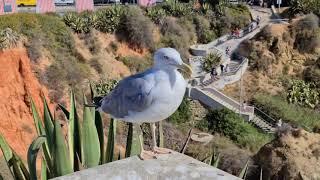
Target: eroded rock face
(17, 84)
(295, 155)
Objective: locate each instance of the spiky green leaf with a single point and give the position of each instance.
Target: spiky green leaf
(133, 140)
(99, 126)
(111, 141)
(43, 175)
(91, 146)
(36, 119)
(62, 162)
(48, 125)
(32, 155)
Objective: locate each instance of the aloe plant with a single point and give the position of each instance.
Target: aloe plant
(84, 146)
(111, 141)
(32, 155)
(108, 19)
(215, 159)
(14, 162)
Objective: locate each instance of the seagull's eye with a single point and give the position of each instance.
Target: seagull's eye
(166, 57)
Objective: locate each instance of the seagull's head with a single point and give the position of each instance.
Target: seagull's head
(169, 58)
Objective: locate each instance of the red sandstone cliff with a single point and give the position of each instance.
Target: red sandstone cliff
(17, 82)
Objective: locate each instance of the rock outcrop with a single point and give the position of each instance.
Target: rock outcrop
(295, 155)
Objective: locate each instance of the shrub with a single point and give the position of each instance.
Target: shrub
(8, 38)
(108, 19)
(156, 14)
(312, 74)
(202, 26)
(177, 9)
(114, 46)
(183, 114)
(230, 124)
(239, 16)
(136, 29)
(211, 60)
(307, 34)
(178, 34)
(304, 6)
(136, 64)
(304, 94)
(279, 108)
(92, 42)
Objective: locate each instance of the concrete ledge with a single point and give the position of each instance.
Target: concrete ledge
(173, 166)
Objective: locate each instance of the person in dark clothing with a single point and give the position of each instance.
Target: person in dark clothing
(221, 67)
(227, 50)
(213, 73)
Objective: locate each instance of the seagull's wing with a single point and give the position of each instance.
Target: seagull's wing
(130, 95)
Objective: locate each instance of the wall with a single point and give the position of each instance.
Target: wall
(167, 166)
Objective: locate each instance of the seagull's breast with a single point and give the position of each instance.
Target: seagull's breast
(168, 91)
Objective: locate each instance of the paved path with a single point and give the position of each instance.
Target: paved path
(210, 89)
(265, 15)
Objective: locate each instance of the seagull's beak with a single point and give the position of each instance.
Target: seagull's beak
(186, 69)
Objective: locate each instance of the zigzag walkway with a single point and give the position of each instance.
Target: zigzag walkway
(213, 98)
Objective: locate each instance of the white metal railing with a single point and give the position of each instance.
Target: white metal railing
(234, 104)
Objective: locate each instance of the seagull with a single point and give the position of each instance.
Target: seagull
(150, 96)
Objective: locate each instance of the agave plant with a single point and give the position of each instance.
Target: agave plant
(80, 23)
(211, 60)
(108, 19)
(156, 14)
(84, 146)
(8, 38)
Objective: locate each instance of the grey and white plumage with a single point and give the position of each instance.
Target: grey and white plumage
(152, 95)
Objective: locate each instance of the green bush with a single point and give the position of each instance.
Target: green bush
(183, 114)
(108, 19)
(302, 93)
(233, 126)
(204, 33)
(279, 108)
(80, 23)
(177, 9)
(211, 60)
(304, 6)
(136, 29)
